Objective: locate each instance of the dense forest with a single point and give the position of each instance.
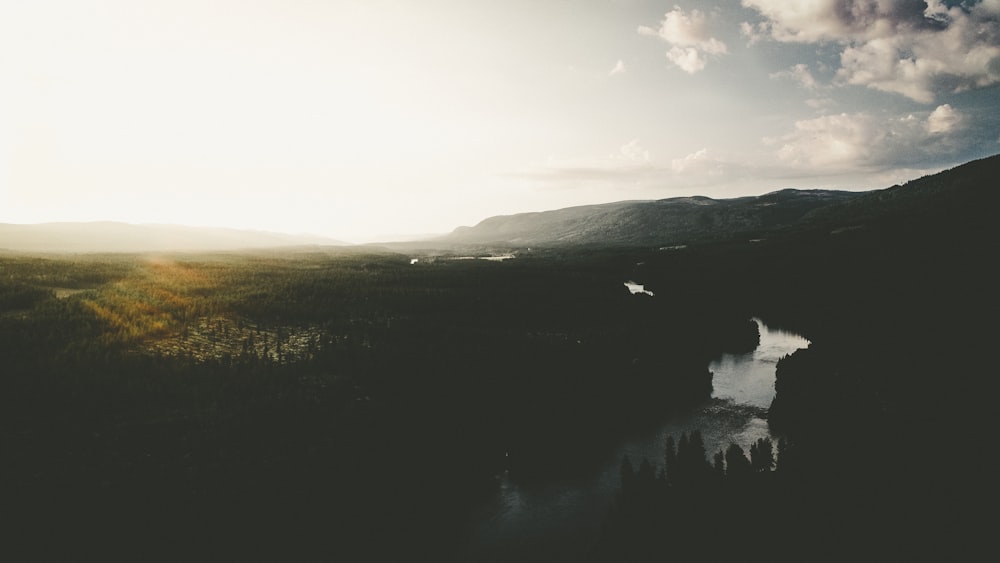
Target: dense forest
(347, 391)
(355, 404)
(881, 419)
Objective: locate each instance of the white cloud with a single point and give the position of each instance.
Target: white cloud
(619, 68)
(944, 119)
(634, 152)
(686, 163)
(688, 59)
(634, 171)
(800, 74)
(819, 103)
(916, 49)
(816, 20)
(754, 33)
(834, 139)
(865, 141)
(689, 38)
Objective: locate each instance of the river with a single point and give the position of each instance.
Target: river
(560, 520)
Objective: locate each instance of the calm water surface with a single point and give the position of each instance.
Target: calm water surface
(560, 520)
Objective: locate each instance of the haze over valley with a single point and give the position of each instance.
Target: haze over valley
(666, 223)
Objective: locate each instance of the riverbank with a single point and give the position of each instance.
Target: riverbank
(560, 519)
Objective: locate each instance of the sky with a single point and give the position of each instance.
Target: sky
(380, 119)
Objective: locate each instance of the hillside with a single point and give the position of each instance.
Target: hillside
(678, 220)
(955, 196)
(963, 197)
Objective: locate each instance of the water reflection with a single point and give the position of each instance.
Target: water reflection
(749, 378)
(637, 288)
(490, 258)
(743, 388)
(559, 520)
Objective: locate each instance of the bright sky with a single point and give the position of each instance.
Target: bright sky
(363, 119)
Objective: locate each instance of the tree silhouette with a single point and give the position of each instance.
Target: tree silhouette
(670, 460)
(762, 455)
(688, 467)
(627, 473)
(786, 459)
(698, 467)
(645, 476)
(737, 465)
(697, 451)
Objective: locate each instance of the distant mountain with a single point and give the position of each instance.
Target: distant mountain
(962, 198)
(959, 194)
(679, 220)
(126, 237)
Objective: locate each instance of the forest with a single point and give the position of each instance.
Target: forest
(354, 404)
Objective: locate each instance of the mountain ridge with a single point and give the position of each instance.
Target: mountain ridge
(650, 222)
(957, 198)
(936, 199)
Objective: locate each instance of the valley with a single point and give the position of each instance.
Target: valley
(255, 400)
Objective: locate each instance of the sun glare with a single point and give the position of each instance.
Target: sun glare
(353, 120)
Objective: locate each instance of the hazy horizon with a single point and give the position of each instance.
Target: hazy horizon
(96, 222)
(365, 120)
(362, 240)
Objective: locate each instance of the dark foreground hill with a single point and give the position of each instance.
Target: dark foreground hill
(961, 196)
(124, 237)
(687, 220)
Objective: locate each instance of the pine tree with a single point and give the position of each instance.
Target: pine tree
(697, 447)
(646, 475)
(762, 455)
(670, 460)
(627, 473)
(737, 465)
(697, 463)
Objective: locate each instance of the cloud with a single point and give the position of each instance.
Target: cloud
(753, 33)
(694, 159)
(691, 45)
(944, 119)
(819, 103)
(827, 20)
(865, 141)
(619, 68)
(633, 152)
(688, 59)
(800, 74)
(632, 168)
(914, 48)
